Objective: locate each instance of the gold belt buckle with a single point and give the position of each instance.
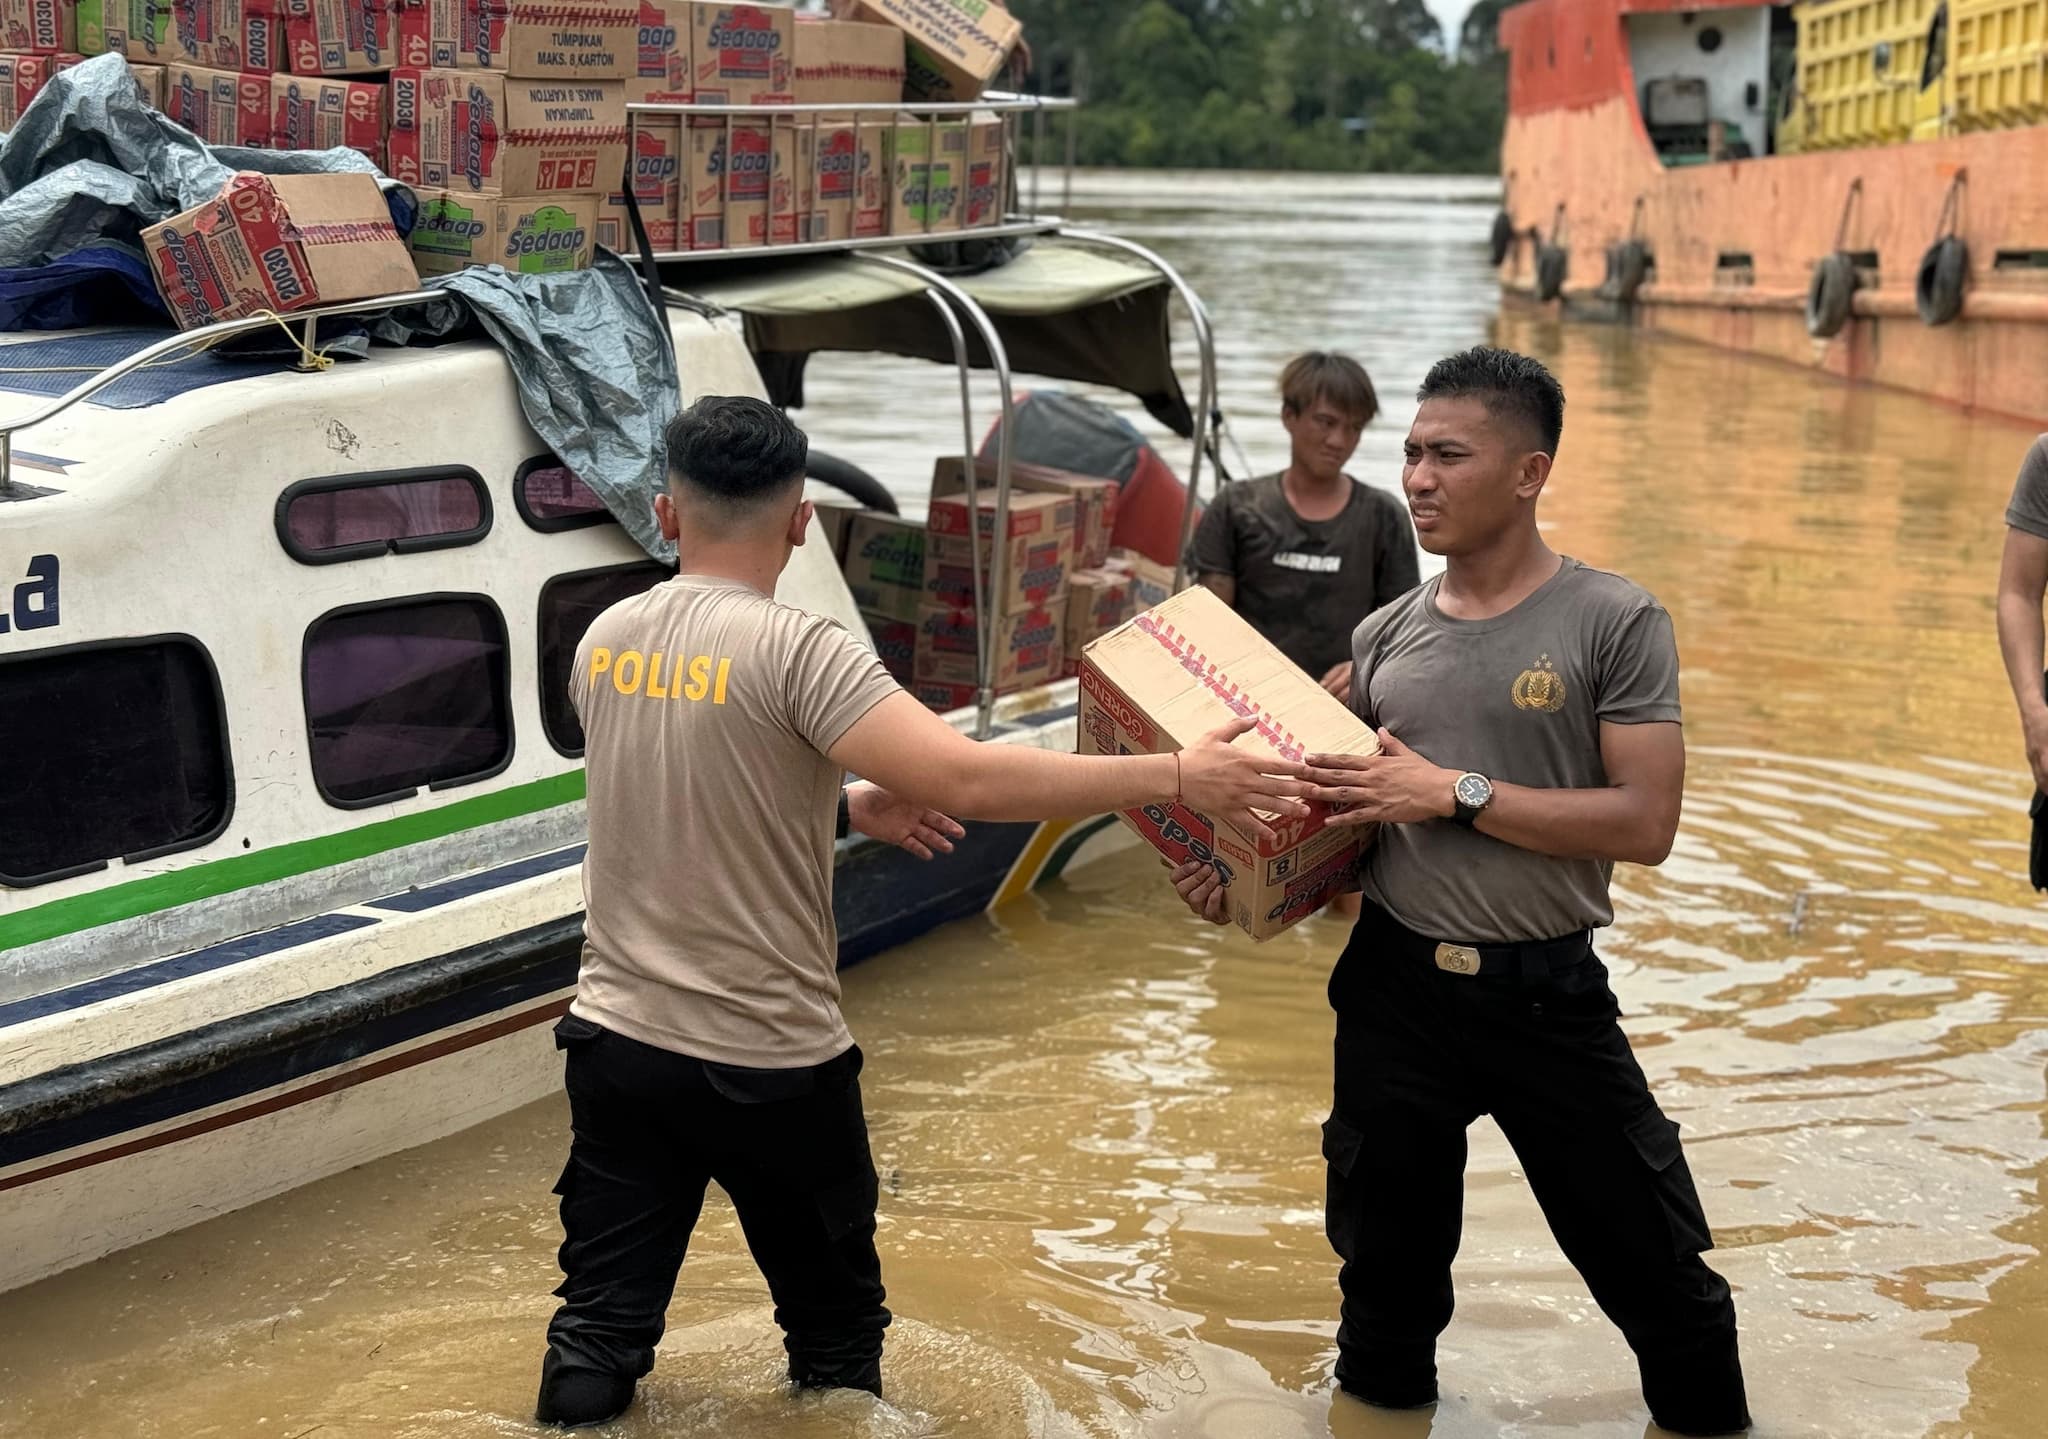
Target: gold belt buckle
(1457, 958)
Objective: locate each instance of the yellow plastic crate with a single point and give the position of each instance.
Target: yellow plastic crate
(1998, 59)
(1847, 100)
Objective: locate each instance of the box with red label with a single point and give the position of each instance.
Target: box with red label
(1094, 499)
(895, 644)
(221, 107)
(749, 170)
(310, 113)
(871, 193)
(476, 130)
(149, 79)
(278, 242)
(743, 54)
(986, 176)
(1097, 602)
(228, 34)
(943, 698)
(39, 27)
(1181, 670)
(340, 37)
(703, 191)
(784, 184)
(657, 189)
(1028, 647)
(1038, 543)
(835, 160)
(1151, 582)
(556, 39)
(952, 48)
(846, 61)
(22, 78)
(661, 71)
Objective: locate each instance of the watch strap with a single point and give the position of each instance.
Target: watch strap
(843, 823)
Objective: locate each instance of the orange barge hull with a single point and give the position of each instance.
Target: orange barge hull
(1580, 171)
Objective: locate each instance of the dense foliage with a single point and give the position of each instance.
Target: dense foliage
(1273, 84)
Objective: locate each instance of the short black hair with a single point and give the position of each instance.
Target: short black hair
(735, 450)
(1511, 386)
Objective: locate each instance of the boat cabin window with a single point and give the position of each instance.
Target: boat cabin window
(1704, 79)
(404, 693)
(353, 517)
(113, 751)
(568, 603)
(550, 497)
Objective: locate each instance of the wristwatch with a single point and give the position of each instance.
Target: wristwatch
(843, 822)
(1471, 793)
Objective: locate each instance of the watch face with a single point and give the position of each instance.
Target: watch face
(1473, 790)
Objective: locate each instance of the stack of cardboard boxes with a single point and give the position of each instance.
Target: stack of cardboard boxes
(1063, 584)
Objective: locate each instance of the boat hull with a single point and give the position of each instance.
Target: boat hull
(118, 1149)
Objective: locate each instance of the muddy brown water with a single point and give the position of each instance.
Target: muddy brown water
(1096, 1118)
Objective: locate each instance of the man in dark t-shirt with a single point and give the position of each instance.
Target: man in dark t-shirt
(1306, 554)
(1529, 724)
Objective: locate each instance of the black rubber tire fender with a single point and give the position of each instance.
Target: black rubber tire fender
(1828, 295)
(1631, 268)
(1502, 239)
(1551, 269)
(1938, 288)
(850, 479)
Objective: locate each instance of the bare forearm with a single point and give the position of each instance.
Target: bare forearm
(1607, 824)
(1009, 782)
(2021, 640)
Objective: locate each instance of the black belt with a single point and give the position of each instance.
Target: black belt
(1531, 959)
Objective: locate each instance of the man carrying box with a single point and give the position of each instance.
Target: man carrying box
(705, 1040)
(1527, 712)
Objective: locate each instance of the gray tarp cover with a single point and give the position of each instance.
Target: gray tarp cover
(90, 166)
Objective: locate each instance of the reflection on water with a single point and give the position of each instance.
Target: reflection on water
(1096, 1119)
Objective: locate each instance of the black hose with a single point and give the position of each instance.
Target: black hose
(850, 479)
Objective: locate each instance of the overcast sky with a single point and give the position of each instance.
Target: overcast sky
(1452, 14)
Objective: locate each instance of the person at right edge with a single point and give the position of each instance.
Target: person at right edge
(2022, 582)
(1527, 709)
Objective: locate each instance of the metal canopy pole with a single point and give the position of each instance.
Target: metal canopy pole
(1205, 344)
(963, 365)
(998, 568)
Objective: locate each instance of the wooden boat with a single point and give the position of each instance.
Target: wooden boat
(1841, 184)
(291, 837)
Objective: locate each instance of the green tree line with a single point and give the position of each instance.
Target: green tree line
(1366, 85)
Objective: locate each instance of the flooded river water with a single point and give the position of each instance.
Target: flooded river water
(1096, 1118)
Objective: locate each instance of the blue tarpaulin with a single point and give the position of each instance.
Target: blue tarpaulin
(90, 165)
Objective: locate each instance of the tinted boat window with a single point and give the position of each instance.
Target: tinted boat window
(406, 693)
(110, 751)
(568, 603)
(351, 517)
(550, 497)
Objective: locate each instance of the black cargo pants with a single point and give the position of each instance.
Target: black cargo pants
(1533, 1040)
(789, 1147)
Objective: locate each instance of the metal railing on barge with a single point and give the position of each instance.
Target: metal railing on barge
(950, 301)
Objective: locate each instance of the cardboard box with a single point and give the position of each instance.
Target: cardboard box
(787, 154)
(221, 107)
(943, 698)
(662, 71)
(885, 564)
(748, 172)
(836, 161)
(871, 193)
(549, 236)
(340, 37)
(837, 522)
(468, 129)
(228, 34)
(22, 78)
(895, 645)
(847, 61)
(1094, 499)
(952, 49)
(987, 172)
(1174, 674)
(930, 166)
(1028, 648)
(278, 242)
(743, 54)
(1038, 542)
(1097, 602)
(657, 188)
(91, 24)
(1151, 582)
(804, 181)
(149, 79)
(140, 29)
(703, 191)
(564, 40)
(309, 113)
(39, 27)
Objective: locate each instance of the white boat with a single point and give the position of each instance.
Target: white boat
(291, 823)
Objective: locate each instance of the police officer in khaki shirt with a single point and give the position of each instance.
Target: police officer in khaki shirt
(1527, 707)
(705, 1041)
